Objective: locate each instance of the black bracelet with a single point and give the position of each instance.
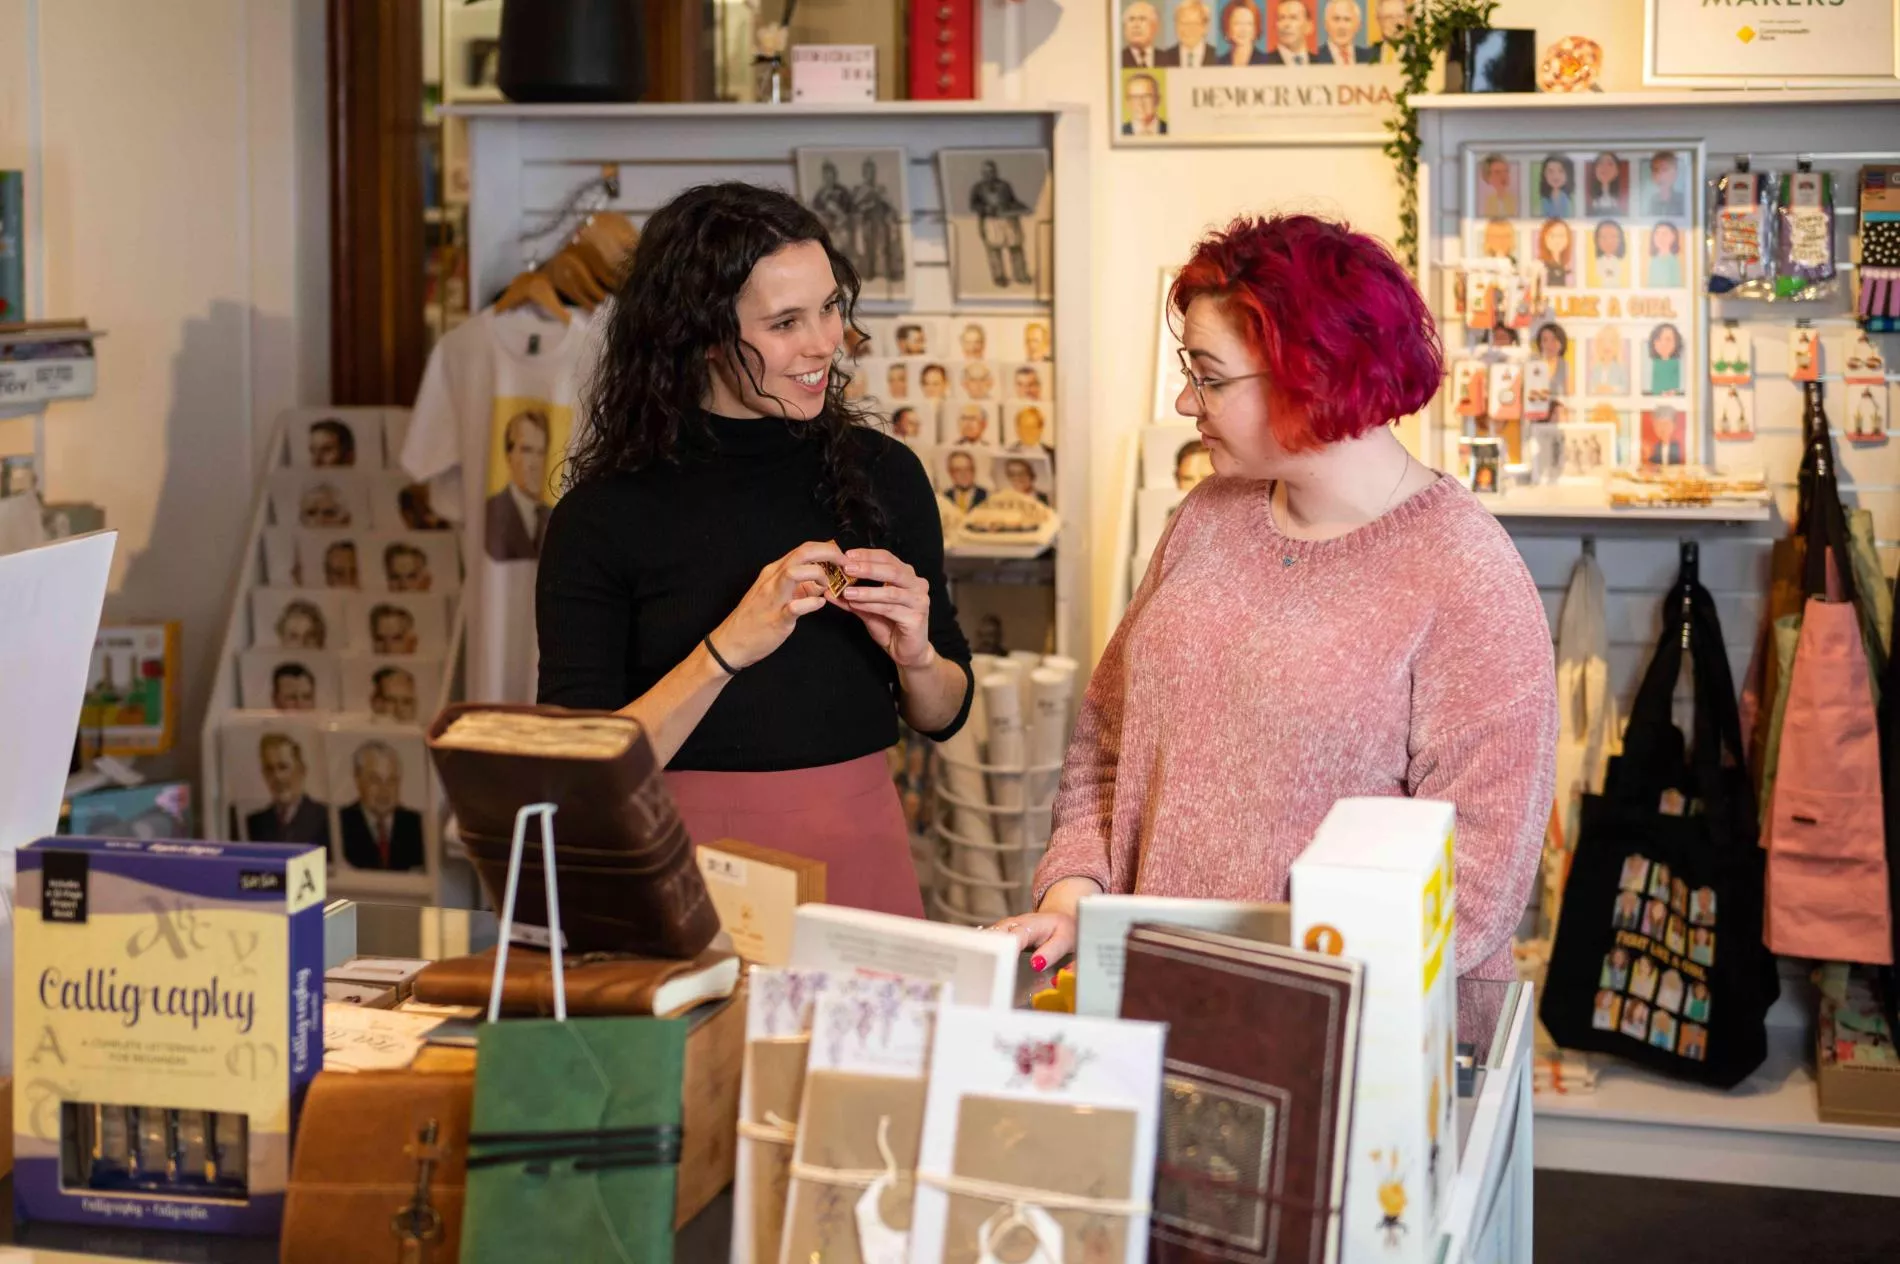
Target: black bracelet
(724, 666)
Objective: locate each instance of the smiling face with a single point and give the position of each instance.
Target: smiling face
(1021, 476)
(935, 381)
(1607, 169)
(1664, 240)
(282, 765)
(1291, 24)
(1395, 16)
(1666, 343)
(962, 467)
(790, 328)
(1549, 343)
(1556, 174)
(973, 341)
(394, 695)
(525, 443)
(1243, 28)
(1609, 240)
(1139, 25)
(977, 382)
(1556, 240)
(972, 421)
(1342, 21)
(1239, 441)
(378, 780)
(1141, 99)
(1190, 23)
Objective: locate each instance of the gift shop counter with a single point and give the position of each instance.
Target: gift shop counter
(1488, 1216)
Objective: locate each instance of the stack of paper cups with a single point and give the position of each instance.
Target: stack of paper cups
(1050, 691)
(1008, 748)
(959, 766)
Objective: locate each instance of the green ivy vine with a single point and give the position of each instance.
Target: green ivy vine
(1429, 37)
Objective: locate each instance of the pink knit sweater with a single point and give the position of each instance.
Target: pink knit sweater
(1256, 679)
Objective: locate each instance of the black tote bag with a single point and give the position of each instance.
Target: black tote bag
(1658, 956)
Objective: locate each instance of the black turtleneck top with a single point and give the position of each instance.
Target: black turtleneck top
(636, 568)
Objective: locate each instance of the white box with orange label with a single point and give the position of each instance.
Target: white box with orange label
(1376, 886)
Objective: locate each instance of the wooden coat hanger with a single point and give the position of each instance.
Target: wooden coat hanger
(533, 289)
(574, 280)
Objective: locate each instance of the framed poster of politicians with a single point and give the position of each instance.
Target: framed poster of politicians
(1202, 72)
(1821, 43)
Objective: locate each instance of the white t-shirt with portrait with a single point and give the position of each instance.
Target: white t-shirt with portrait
(495, 374)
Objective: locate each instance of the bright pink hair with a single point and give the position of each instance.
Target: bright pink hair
(1345, 339)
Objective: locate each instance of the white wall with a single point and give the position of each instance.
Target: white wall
(1151, 203)
(185, 212)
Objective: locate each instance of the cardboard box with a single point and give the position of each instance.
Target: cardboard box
(169, 1003)
(396, 973)
(1850, 1093)
(1376, 886)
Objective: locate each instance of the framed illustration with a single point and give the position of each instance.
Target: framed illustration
(131, 703)
(275, 780)
(995, 204)
(863, 197)
(1838, 44)
(1168, 379)
(379, 784)
(1201, 72)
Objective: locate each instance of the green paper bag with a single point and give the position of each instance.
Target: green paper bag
(574, 1141)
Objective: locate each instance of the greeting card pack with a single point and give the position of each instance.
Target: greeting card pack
(1039, 1134)
(778, 1038)
(168, 1018)
(1376, 886)
(860, 1124)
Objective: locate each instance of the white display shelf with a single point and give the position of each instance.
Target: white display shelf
(1766, 1131)
(755, 109)
(1593, 504)
(1708, 98)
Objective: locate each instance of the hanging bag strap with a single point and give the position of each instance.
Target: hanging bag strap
(545, 812)
(1823, 521)
(1655, 756)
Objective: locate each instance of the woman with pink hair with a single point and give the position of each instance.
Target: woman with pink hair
(1326, 618)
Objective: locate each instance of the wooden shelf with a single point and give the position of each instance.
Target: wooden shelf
(734, 109)
(1766, 1131)
(1588, 503)
(1670, 98)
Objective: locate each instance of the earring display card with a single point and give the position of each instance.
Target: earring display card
(211, 1012)
(1734, 413)
(1024, 1104)
(1805, 355)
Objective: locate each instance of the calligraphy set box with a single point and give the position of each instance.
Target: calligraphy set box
(168, 1017)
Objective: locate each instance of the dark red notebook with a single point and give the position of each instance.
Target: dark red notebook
(1256, 1098)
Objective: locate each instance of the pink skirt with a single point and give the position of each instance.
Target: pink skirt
(846, 815)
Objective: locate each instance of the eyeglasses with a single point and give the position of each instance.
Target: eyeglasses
(1203, 385)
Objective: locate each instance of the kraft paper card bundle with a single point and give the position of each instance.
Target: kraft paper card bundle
(778, 1037)
(1039, 1139)
(859, 1128)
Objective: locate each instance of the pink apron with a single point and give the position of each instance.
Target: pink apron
(1827, 851)
(847, 815)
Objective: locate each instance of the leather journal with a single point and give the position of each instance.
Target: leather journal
(635, 885)
(1256, 1103)
(598, 984)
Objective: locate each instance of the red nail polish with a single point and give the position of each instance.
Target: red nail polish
(1039, 963)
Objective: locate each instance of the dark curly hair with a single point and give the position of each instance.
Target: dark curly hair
(679, 299)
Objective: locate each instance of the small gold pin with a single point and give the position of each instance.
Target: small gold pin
(835, 578)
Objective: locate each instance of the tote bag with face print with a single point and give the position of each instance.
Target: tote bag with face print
(1658, 956)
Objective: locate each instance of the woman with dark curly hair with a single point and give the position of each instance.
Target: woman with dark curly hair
(720, 499)
(1326, 618)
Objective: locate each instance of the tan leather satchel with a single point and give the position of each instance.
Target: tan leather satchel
(379, 1168)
